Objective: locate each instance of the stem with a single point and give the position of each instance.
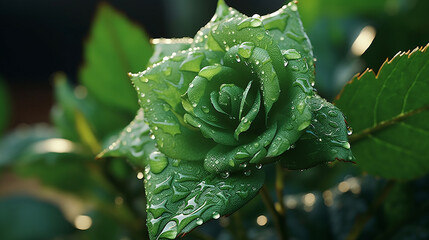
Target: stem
(279, 220)
(279, 189)
(384, 124)
(237, 228)
(365, 217)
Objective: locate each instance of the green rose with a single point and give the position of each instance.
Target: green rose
(217, 107)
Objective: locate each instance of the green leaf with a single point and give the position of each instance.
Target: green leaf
(37, 152)
(75, 106)
(184, 195)
(134, 143)
(181, 195)
(4, 106)
(28, 218)
(389, 114)
(160, 89)
(325, 140)
(13, 144)
(115, 47)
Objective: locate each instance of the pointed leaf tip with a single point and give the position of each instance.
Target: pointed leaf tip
(222, 9)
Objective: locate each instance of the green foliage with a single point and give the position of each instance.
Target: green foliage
(28, 218)
(4, 106)
(13, 144)
(120, 46)
(72, 103)
(243, 93)
(215, 111)
(388, 112)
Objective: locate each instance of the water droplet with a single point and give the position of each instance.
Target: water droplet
(224, 174)
(169, 231)
(157, 162)
(346, 145)
(216, 215)
(303, 84)
(333, 124)
(332, 113)
(249, 22)
(291, 54)
(259, 36)
(210, 71)
(237, 58)
(205, 109)
(200, 221)
(245, 49)
(258, 166)
(242, 193)
(292, 146)
(243, 165)
(301, 106)
(349, 130)
(247, 172)
(241, 155)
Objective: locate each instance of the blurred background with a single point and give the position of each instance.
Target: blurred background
(44, 37)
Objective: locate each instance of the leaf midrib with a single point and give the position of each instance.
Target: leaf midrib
(385, 124)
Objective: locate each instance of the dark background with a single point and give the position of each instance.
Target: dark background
(41, 37)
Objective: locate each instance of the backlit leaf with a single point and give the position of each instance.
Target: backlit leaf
(389, 115)
(115, 47)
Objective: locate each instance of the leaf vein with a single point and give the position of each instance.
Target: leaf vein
(412, 85)
(394, 147)
(377, 98)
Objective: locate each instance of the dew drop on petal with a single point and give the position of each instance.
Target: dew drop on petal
(216, 215)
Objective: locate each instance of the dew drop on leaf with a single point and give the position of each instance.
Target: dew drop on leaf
(333, 124)
(245, 49)
(216, 215)
(243, 165)
(205, 109)
(291, 54)
(169, 231)
(157, 162)
(241, 155)
(349, 130)
(224, 174)
(200, 221)
(332, 113)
